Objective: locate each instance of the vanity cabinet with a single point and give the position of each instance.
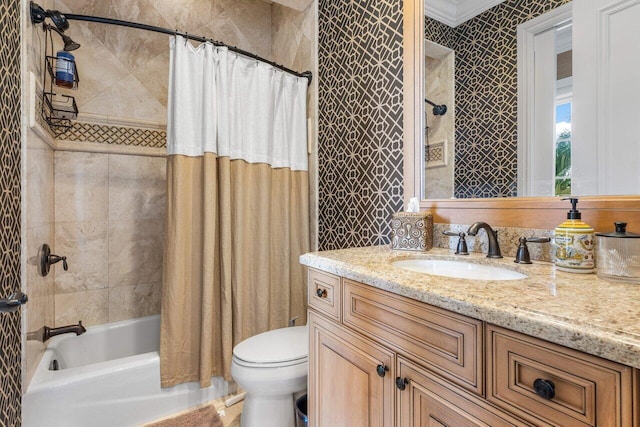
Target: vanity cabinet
(386, 360)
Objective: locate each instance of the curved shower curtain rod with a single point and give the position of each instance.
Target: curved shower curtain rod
(38, 15)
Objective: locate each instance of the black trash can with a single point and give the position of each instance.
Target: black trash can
(301, 412)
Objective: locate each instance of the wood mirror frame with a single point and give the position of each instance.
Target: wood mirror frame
(523, 212)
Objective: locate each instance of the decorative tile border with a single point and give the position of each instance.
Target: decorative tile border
(116, 135)
(105, 134)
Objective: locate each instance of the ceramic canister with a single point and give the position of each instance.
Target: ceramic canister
(574, 247)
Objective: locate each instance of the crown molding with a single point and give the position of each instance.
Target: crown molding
(442, 11)
(455, 12)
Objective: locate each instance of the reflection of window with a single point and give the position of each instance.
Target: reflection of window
(563, 149)
(563, 103)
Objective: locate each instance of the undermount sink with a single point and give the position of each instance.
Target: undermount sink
(458, 269)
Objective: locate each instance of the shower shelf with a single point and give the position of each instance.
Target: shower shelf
(59, 71)
(58, 111)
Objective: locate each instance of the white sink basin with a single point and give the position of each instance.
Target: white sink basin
(458, 269)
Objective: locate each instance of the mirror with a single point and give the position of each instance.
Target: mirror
(504, 134)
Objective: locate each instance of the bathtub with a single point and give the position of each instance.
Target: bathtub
(108, 377)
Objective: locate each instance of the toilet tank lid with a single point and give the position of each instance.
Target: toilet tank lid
(278, 345)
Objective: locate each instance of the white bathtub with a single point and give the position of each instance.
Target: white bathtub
(108, 377)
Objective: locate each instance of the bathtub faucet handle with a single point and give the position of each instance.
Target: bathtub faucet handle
(47, 259)
(53, 259)
(292, 322)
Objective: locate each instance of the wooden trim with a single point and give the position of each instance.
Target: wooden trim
(537, 212)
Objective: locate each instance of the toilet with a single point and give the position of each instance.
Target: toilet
(272, 367)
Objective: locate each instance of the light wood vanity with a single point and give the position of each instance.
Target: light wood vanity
(378, 358)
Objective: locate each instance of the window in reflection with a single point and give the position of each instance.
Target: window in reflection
(563, 149)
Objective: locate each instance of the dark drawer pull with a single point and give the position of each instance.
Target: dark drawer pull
(401, 383)
(544, 388)
(322, 293)
(381, 370)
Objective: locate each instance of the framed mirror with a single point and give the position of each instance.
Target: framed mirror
(509, 51)
(527, 212)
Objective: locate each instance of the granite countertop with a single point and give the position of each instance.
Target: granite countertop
(578, 311)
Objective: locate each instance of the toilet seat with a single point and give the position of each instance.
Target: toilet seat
(280, 347)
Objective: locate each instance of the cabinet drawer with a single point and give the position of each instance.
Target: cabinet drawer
(448, 343)
(324, 293)
(428, 400)
(574, 389)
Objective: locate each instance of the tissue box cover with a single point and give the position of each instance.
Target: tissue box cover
(412, 231)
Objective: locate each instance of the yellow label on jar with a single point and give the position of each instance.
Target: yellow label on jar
(574, 249)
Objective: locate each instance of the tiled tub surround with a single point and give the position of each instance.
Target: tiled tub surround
(578, 311)
(110, 212)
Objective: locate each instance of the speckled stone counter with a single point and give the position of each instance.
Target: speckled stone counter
(578, 311)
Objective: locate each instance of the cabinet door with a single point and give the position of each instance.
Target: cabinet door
(350, 378)
(429, 401)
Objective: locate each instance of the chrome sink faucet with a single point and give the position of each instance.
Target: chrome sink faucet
(492, 236)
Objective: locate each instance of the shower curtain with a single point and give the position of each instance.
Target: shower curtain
(237, 208)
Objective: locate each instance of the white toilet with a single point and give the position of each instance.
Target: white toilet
(271, 367)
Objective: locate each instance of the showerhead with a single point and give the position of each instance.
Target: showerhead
(69, 44)
(438, 110)
(38, 15)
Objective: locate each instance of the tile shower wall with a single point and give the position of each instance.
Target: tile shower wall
(10, 210)
(39, 208)
(110, 212)
(38, 205)
(124, 72)
(486, 95)
(360, 132)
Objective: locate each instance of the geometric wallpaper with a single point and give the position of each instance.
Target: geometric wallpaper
(486, 95)
(360, 121)
(10, 342)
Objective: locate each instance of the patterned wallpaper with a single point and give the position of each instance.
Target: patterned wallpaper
(10, 356)
(487, 95)
(360, 130)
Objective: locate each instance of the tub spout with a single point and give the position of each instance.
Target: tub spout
(52, 332)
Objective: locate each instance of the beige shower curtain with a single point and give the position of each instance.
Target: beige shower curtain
(235, 230)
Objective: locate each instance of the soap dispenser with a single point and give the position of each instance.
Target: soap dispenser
(574, 242)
